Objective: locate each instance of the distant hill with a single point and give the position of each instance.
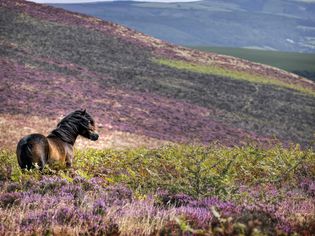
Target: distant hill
(298, 63)
(53, 61)
(282, 25)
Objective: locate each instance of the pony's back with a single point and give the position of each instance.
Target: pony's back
(31, 150)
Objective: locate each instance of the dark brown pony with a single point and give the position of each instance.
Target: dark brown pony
(57, 148)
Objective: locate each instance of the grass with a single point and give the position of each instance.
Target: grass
(298, 63)
(170, 190)
(237, 75)
(193, 170)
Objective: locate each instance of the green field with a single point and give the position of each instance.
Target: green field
(299, 63)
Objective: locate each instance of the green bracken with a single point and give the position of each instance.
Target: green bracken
(233, 74)
(194, 170)
(178, 188)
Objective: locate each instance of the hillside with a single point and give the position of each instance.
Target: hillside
(142, 91)
(145, 92)
(298, 63)
(282, 25)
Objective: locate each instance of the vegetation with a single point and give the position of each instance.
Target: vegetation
(238, 75)
(52, 61)
(298, 63)
(200, 190)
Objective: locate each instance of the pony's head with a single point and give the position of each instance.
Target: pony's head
(78, 122)
(88, 126)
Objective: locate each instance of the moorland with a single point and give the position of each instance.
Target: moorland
(191, 142)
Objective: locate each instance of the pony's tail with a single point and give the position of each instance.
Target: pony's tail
(24, 154)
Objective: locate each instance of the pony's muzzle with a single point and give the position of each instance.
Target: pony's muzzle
(94, 136)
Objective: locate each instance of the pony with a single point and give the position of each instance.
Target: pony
(36, 150)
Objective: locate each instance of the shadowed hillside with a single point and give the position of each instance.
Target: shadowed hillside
(53, 61)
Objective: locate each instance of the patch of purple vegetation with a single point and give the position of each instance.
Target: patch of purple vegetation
(10, 199)
(28, 91)
(308, 185)
(52, 204)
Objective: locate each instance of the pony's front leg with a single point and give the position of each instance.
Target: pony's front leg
(69, 161)
(69, 155)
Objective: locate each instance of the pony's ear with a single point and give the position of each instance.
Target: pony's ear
(83, 112)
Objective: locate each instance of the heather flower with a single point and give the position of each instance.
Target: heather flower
(30, 185)
(168, 199)
(13, 187)
(34, 218)
(73, 190)
(10, 199)
(32, 200)
(83, 183)
(97, 183)
(49, 185)
(198, 216)
(118, 195)
(99, 207)
(226, 208)
(308, 185)
(65, 215)
(3, 229)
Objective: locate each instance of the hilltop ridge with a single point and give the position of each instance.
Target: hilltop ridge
(282, 25)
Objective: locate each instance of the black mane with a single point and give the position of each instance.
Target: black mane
(71, 126)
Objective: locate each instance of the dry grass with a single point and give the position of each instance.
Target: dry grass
(143, 218)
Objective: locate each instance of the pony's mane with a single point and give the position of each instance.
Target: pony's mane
(69, 127)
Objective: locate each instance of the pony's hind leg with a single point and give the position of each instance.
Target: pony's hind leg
(32, 151)
(24, 154)
(39, 152)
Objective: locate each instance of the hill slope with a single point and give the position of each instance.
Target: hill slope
(298, 63)
(53, 61)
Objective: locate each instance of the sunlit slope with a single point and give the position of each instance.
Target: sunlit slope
(298, 63)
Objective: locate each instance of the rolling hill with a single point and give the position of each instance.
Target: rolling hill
(298, 63)
(142, 91)
(281, 25)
